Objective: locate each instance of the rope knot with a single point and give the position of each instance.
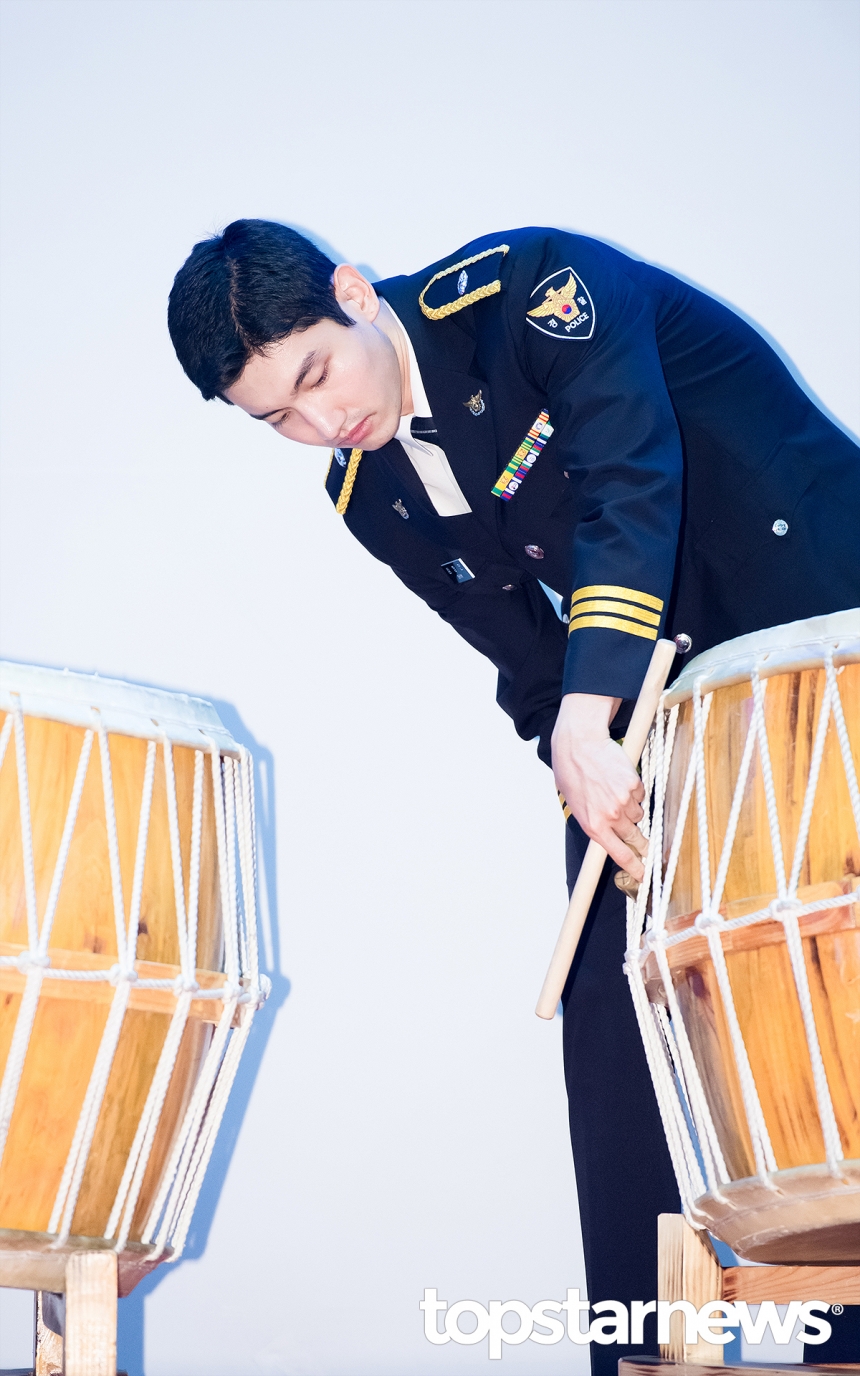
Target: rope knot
(185, 984)
(259, 992)
(781, 907)
(634, 956)
(709, 917)
(119, 974)
(29, 960)
(231, 991)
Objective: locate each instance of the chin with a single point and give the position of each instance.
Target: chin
(380, 435)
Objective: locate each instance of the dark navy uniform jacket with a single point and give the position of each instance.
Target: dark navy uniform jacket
(687, 485)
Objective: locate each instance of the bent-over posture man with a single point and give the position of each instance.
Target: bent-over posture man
(539, 409)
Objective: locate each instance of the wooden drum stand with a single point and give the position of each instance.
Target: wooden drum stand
(688, 1269)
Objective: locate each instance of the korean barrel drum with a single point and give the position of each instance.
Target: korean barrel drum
(128, 965)
(744, 941)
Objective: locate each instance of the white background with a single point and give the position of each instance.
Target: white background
(401, 1120)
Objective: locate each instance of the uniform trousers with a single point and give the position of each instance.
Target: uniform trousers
(624, 1175)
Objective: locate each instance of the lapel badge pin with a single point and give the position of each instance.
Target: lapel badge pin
(462, 283)
(400, 509)
(340, 457)
(476, 404)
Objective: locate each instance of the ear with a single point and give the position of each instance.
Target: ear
(354, 294)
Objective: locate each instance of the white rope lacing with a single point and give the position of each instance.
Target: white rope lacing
(678, 1138)
(123, 975)
(786, 907)
(672, 1065)
(685, 1061)
(674, 1073)
(26, 830)
(165, 1207)
(708, 921)
(170, 1216)
(232, 959)
(187, 956)
(675, 1082)
(122, 1213)
(244, 988)
(844, 743)
(208, 1133)
(196, 839)
(34, 961)
(5, 734)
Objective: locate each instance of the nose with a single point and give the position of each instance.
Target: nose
(327, 419)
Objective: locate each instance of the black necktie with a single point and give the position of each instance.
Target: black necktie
(424, 428)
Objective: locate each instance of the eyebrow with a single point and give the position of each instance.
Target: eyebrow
(307, 363)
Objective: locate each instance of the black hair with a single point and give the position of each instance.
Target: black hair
(241, 291)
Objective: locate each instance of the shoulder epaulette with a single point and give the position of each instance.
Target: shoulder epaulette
(340, 478)
(463, 284)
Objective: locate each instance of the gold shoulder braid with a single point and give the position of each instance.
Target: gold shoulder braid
(464, 298)
(348, 481)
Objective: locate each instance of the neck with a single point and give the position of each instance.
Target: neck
(387, 322)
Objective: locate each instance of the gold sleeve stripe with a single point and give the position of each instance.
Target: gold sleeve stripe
(469, 297)
(601, 604)
(348, 481)
(614, 623)
(564, 807)
(626, 594)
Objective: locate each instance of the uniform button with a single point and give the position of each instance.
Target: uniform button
(780, 527)
(683, 643)
(508, 587)
(534, 551)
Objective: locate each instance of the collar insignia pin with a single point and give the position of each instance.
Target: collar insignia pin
(476, 404)
(340, 457)
(462, 283)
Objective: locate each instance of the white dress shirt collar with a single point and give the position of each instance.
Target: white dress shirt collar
(429, 461)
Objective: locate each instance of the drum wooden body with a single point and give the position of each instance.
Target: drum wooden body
(803, 1203)
(185, 748)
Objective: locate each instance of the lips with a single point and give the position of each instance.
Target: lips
(359, 432)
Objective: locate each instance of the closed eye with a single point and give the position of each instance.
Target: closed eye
(321, 379)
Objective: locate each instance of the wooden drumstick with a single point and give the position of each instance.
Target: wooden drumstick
(592, 865)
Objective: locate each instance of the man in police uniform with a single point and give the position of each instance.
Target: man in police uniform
(539, 414)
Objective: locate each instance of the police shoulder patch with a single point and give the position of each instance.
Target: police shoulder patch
(463, 284)
(563, 307)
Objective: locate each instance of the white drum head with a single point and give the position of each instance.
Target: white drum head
(777, 650)
(125, 708)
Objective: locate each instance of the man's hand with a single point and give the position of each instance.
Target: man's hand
(596, 780)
